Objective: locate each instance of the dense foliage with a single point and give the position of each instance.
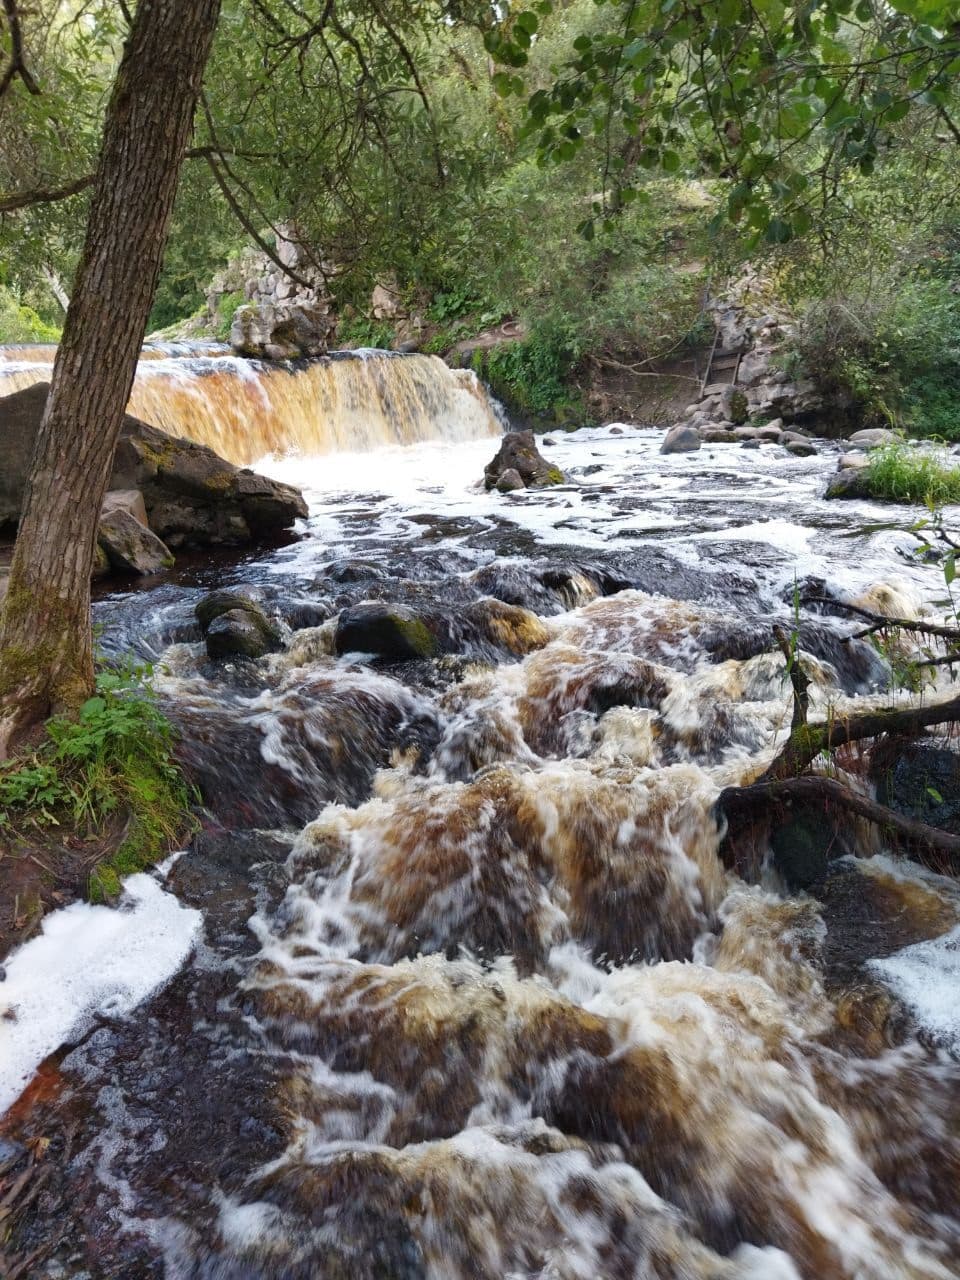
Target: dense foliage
(584, 169)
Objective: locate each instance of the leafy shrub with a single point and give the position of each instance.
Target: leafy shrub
(359, 331)
(19, 323)
(892, 354)
(227, 307)
(897, 473)
(114, 760)
(531, 376)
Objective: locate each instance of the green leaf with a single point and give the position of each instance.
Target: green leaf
(778, 231)
(950, 568)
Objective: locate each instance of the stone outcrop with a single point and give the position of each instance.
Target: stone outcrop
(282, 317)
(280, 331)
(745, 381)
(191, 496)
(519, 453)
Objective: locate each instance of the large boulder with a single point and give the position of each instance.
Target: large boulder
(280, 331)
(19, 418)
(130, 546)
(681, 439)
(192, 497)
(391, 631)
(519, 453)
(874, 437)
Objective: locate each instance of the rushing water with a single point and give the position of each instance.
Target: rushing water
(475, 996)
(245, 408)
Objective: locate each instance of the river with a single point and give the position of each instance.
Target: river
(454, 984)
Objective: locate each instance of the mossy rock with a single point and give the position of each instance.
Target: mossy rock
(392, 632)
(234, 626)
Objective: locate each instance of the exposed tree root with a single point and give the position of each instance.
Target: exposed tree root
(928, 845)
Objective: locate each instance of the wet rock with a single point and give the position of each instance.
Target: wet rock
(804, 843)
(392, 632)
(519, 453)
(329, 732)
(238, 633)
(712, 434)
(101, 567)
(192, 497)
(849, 483)
(510, 481)
(750, 444)
(681, 439)
(923, 782)
(771, 432)
(543, 587)
(20, 415)
(853, 462)
(800, 449)
(130, 547)
(351, 570)
(507, 627)
(874, 437)
(234, 626)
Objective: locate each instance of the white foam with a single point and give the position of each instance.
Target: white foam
(87, 961)
(926, 977)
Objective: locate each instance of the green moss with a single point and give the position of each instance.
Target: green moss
(416, 635)
(554, 476)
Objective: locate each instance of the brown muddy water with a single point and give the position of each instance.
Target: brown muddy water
(454, 983)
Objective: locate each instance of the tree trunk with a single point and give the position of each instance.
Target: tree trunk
(46, 661)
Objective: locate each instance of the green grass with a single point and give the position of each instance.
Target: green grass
(111, 767)
(897, 473)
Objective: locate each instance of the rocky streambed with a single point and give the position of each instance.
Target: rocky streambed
(454, 982)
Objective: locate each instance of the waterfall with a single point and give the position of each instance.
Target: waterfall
(245, 409)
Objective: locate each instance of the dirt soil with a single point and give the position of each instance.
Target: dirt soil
(41, 871)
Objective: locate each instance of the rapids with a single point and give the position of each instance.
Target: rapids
(475, 997)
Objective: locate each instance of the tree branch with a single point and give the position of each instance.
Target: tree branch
(810, 740)
(17, 65)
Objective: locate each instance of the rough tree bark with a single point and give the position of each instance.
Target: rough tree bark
(46, 661)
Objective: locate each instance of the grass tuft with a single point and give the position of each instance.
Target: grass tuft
(113, 764)
(897, 473)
